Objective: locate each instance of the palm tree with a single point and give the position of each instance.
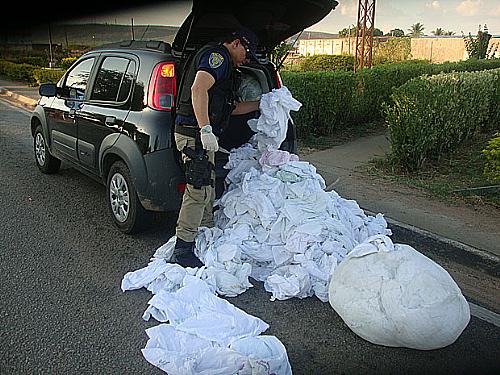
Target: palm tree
(439, 31)
(449, 33)
(416, 30)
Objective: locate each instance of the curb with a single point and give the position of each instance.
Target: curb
(465, 254)
(23, 100)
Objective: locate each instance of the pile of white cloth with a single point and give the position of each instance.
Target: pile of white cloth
(276, 217)
(276, 224)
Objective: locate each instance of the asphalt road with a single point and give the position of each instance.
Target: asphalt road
(63, 312)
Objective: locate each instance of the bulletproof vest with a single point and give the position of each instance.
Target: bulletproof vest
(220, 95)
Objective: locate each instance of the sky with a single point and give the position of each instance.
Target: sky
(451, 15)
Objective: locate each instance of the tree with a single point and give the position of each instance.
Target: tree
(351, 31)
(396, 32)
(477, 47)
(347, 31)
(438, 32)
(279, 52)
(416, 30)
(449, 33)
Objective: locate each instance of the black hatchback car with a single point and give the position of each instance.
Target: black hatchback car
(111, 115)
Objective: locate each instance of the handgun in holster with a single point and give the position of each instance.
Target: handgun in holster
(198, 167)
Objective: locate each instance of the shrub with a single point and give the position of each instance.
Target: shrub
(327, 105)
(67, 62)
(326, 99)
(17, 72)
(394, 50)
(492, 153)
(47, 75)
(31, 60)
(327, 63)
(431, 115)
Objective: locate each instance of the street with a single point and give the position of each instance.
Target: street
(63, 312)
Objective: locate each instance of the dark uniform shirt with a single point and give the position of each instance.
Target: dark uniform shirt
(216, 61)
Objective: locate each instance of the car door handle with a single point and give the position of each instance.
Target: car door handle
(110, 120)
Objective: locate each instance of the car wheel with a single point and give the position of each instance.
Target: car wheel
(44, 160)
(126, 209)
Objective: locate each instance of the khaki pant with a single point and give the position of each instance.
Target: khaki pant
(197, 204)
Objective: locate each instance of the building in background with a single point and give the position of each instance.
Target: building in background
(436, 49)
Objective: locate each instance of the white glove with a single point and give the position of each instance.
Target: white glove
(208, 139)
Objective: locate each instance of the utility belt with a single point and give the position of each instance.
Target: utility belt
(198, 168)
(187, 130)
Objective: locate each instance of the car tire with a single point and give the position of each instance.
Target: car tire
(44, 160)
(122, 200)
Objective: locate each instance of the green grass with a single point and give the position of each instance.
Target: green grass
(461, 170)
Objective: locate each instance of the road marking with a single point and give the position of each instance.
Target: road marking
(484, 314)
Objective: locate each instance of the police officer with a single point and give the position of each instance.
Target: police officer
(206, 101)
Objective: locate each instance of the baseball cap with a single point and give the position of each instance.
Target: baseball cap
(249, 40)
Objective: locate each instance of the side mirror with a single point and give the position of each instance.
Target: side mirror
(48, 89)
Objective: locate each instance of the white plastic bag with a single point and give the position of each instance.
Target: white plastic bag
(394, 296)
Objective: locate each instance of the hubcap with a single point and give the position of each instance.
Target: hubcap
(119, 197)
(40, 149)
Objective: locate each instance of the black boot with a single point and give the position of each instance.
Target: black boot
(184, 254)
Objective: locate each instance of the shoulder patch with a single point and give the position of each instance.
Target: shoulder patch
(215, 60)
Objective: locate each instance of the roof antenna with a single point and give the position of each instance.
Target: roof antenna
(145, 31)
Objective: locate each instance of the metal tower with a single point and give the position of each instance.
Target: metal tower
(364, 34)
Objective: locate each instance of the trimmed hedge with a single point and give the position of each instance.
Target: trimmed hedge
(18, 72)
(318, 63)
(326, 99)
(31, 74)
(67, 62)
(431, 115)
(48, 75)
(492, 153)
(336, 99)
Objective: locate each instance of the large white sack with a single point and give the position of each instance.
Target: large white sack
(394, 296)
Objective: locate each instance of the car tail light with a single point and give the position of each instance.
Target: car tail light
(162, 88)
(181, 187)
(278, 79)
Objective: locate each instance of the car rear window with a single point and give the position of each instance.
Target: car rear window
(114, 80)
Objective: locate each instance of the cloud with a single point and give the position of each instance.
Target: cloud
(469, 8)
(434, 5)
(349, 8)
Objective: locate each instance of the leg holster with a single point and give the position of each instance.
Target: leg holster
(198, 168)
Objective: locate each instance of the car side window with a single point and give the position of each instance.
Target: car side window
(78, 78)
(114, 80)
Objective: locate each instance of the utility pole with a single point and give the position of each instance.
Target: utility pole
(51, 58)
(364, 34)
(132, 29)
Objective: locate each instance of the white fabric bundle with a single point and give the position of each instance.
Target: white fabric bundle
(394, 296)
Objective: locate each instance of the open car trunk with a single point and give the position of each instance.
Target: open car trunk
(273, 21)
